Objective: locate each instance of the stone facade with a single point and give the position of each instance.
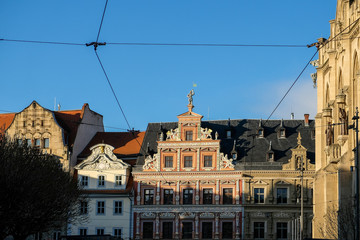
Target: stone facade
(60, 133)
(338, 97)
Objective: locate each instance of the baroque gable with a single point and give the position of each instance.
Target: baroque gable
(102, 158)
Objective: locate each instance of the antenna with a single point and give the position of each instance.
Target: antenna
(208, 113)
(54, 103)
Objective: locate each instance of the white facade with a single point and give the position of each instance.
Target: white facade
(104, 178)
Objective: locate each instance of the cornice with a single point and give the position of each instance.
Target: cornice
(187, 208)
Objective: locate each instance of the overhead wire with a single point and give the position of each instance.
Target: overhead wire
(42, 42)
(318, 48)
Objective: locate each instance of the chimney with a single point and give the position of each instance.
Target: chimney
(306, 120)
(292, 116)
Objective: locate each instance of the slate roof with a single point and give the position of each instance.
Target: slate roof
(251, 149)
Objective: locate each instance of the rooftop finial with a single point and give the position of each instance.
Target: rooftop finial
(299, 139)
(190, 98)
(270, 148)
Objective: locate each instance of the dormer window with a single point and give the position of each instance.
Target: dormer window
(260, 132)
(228, 134)
(188, 135)
(270, 156)
(282, 133)
(234, 156)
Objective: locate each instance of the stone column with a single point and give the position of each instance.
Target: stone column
(138, 197)
(177, 198)
(197, 196)
(157, 198)
(217, 195)
(137, 226)
(216, 236)
(197, 226)
(178, 160)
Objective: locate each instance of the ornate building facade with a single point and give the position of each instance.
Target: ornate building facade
(104, 172)
(338, 96)
(225, 179)
(61, 133)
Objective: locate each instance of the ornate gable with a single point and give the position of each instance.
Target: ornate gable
(298, 157)
(102, 158)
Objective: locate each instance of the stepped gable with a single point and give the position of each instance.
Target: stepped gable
(249, 147)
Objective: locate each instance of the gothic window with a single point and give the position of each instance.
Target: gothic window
(281, 230)
(148, 230)
(167, 229)
(188, 135)
(28, 142)
(207, 161)
(281, 195)
(187, 229)
(227, 196)
(207, 230)
(168, 161)
(149, 196)
(168, 196)
(207, 196)
(259, 230)
(188, 196)
(259, 195)
(188, 161)
(227, 230)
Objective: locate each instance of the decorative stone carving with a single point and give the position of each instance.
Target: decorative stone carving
(205, 133)
(148, 215)
(207, 215)
(257, 214)
(281, 215)
(150, 162)
(225, 162)
(187, 215)
(227, 215)
(173, 134)
(167, 215)
(102, 158)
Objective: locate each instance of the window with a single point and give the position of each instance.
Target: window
(227, 196)
(24, 124)
(282, 133)
(56, 235)
(117, 207)
(168, 196)
(33, 123)
(84, 181)
(207, 230)
(148, 230)
(188, 161)
(228, 134)
(207, 196)
(117, 232)
(82, 231)
(259, 230)
(281, 195)
(100, 231)
(101, 181)
(271, 156)
(167, 229)
(37, 142)
(187, 229)
(187, 196)
(168, 161)
(281, 230)
(46, 142)
(259, 195)
(149, 196)
(28, 142)
(188, 135)
(118, 181)
(101, 207)
(261, 133)
(83, 207)
(227, 230)
(207, 161)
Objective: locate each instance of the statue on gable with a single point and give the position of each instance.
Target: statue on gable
(344, 122)
(190, 96)
(206, 133)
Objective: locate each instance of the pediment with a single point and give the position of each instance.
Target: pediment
(282, 182)
(102, 158)
(192, 114)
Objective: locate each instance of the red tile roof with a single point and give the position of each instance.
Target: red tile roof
(125, 143)
(5, 120)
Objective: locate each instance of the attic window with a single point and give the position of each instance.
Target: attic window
(234, 156)
(228, 134)
(189, 135)
(260, 132)
(270, 156)
(282, 133)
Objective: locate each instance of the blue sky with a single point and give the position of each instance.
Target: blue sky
(152, 82)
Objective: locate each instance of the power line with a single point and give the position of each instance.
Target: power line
(42, 42)
(102, 19)
(321, 46)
